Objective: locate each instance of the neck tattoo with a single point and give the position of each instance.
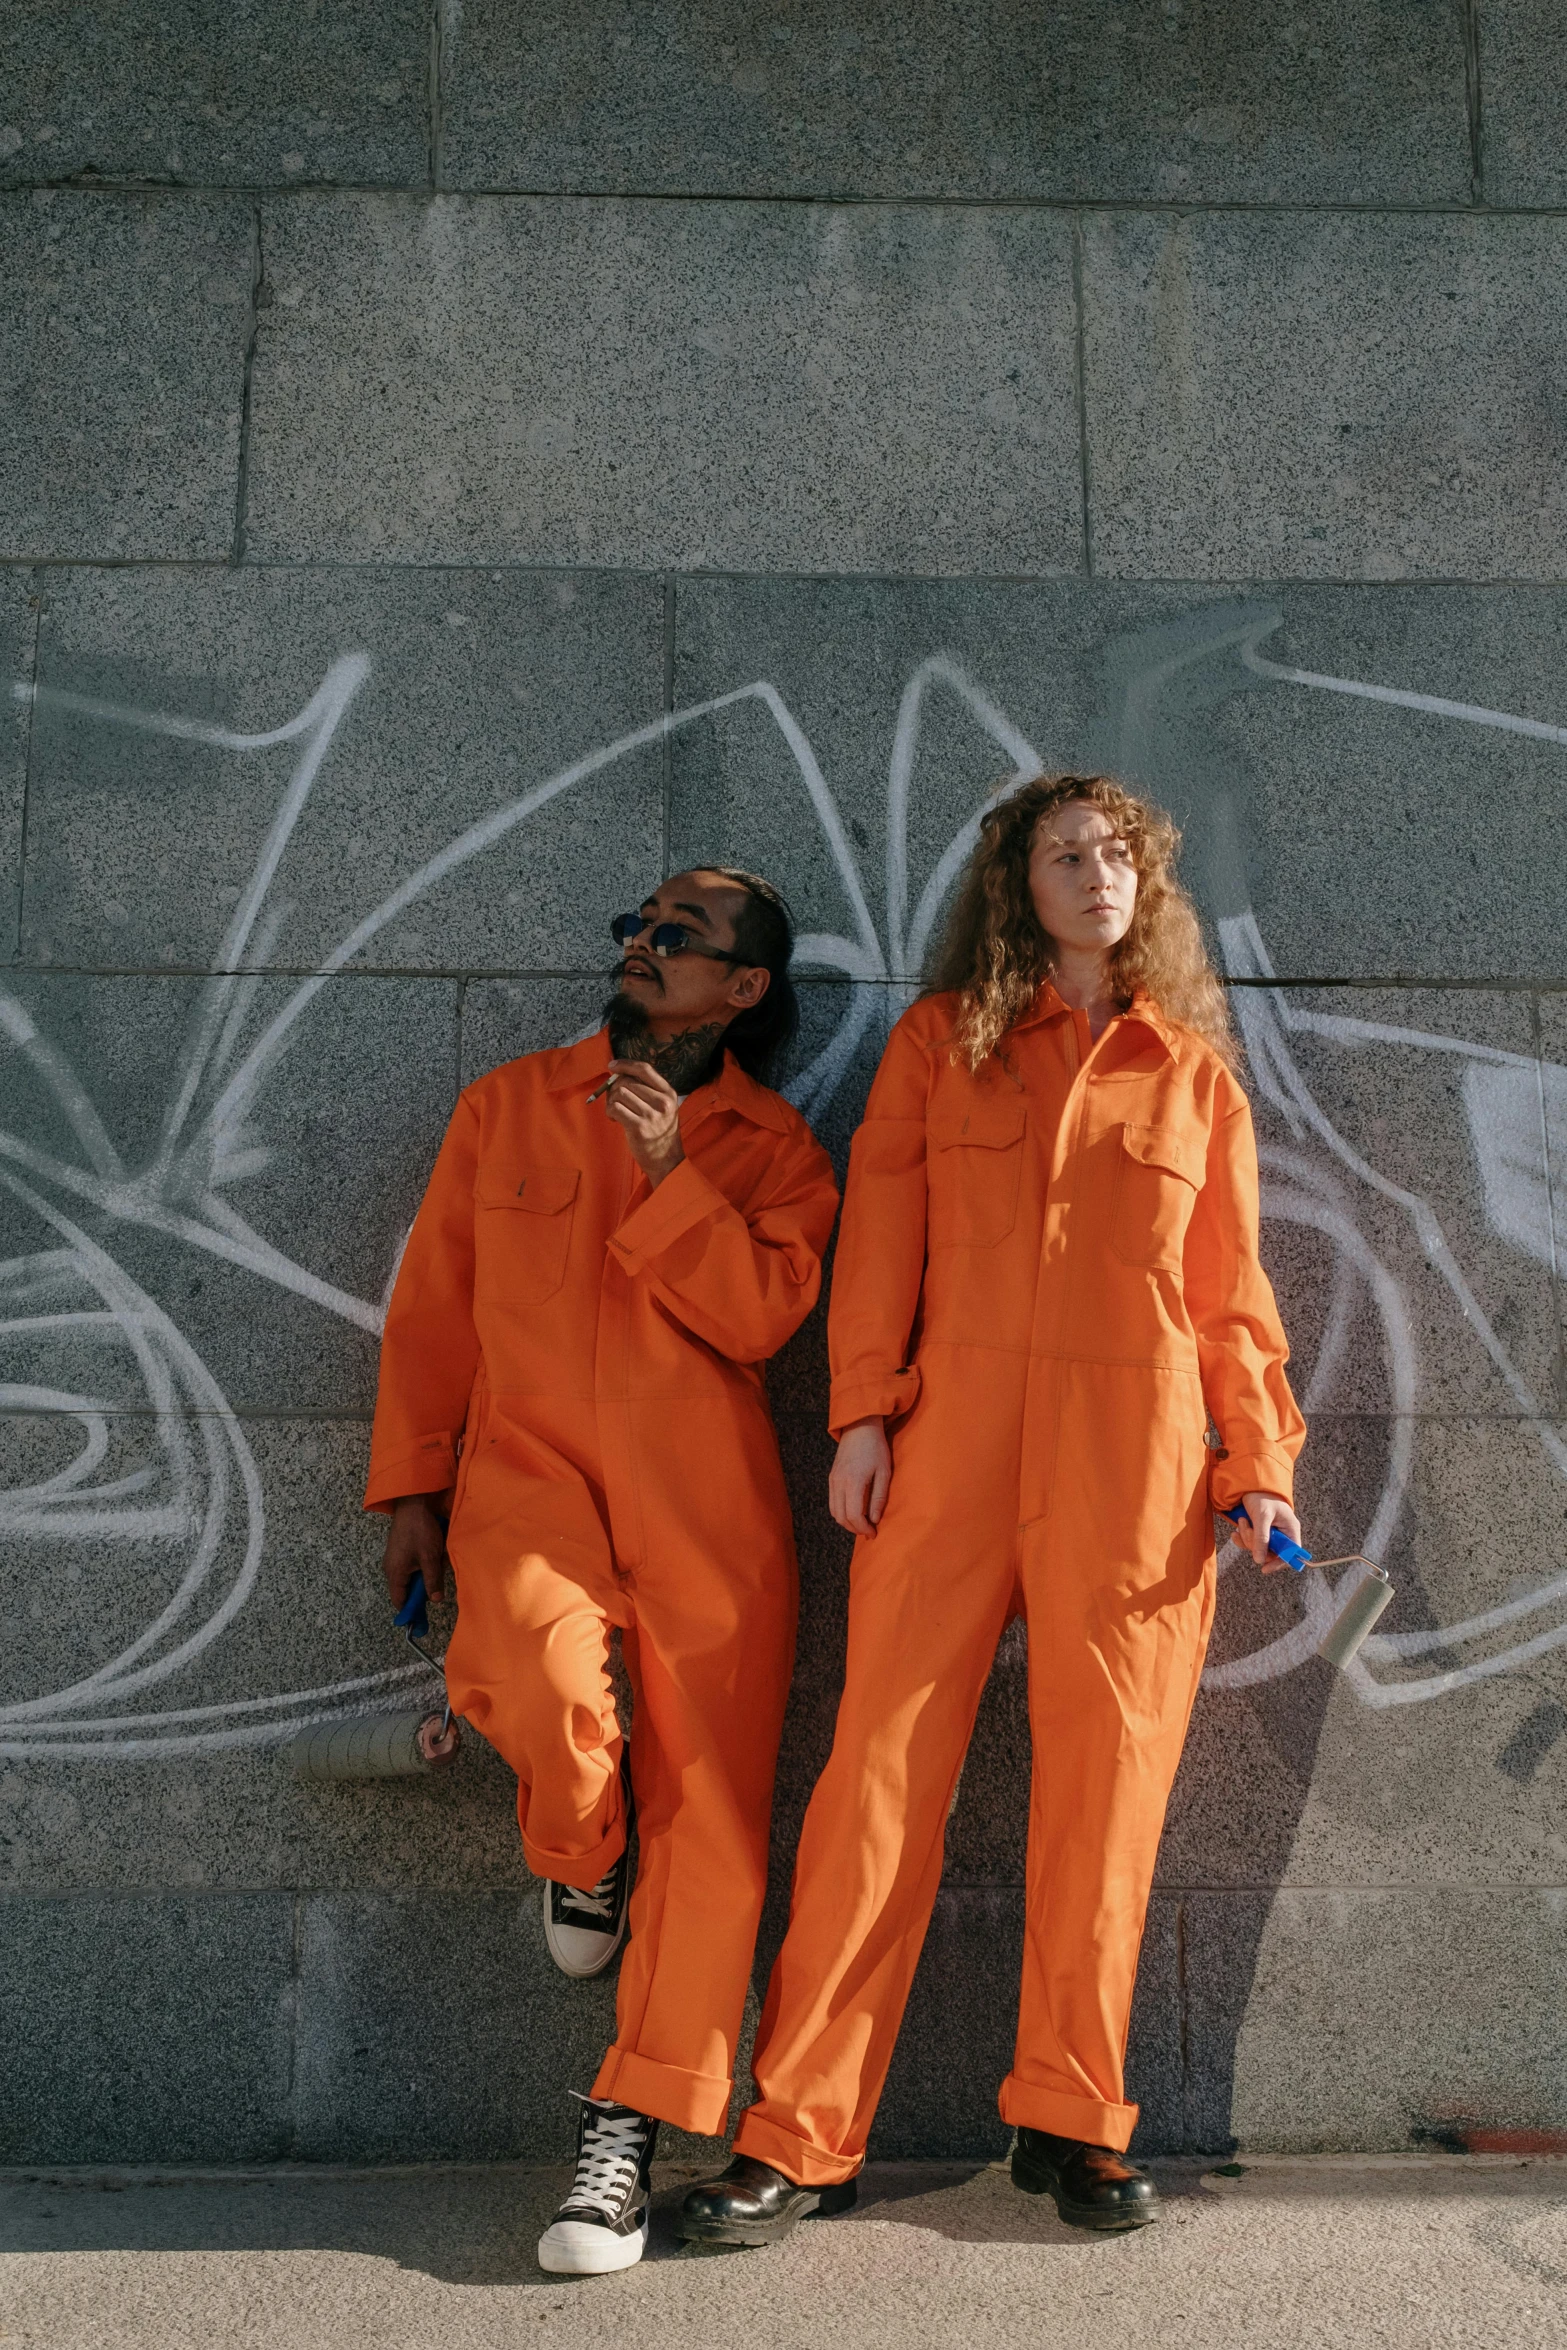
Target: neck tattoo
(684, 1061)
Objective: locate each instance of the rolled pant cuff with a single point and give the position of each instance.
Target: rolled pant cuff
(665, 2092)
(1085, 2118)
(582, 1869)
(795, 2157)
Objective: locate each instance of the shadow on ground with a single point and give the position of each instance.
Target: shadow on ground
(468, 2225)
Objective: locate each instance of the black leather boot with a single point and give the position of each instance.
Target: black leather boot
(1092, 2186)
(754, 2204)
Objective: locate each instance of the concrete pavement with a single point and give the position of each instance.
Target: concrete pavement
(1290, 2254)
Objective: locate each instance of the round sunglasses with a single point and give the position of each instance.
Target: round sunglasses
(664, 938)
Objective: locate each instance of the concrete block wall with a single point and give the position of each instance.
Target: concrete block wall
(458, 460)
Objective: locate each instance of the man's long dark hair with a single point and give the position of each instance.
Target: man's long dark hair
(764, 934)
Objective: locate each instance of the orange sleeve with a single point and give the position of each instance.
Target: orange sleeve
(880, 1264)
(742, 1280)
(1240, 1339)
(430, 1348)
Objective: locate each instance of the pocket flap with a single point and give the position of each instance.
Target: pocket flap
(1162, 1146)
(543, 1191)
(990, 1122)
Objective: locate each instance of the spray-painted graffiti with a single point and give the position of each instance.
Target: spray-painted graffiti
(196, 1495)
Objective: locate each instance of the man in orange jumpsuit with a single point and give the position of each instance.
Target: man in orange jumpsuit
(616, 1237)
(1047, 1278)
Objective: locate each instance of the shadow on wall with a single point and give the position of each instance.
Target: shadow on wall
(1410, 1226)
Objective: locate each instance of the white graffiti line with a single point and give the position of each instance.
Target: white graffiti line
(231, 1104)
(37, 1727)
(906, 946)
(218, 1152)
(90, 1519)
(91, 1411)
(1314, 1200)
(1473, 713)
(80, 1469)
(246, 990)
(318, 722)
(1280, 1078)
(863, 957)
(216, 1228)
(15, 1396)
(138, 1317)
(181, 1746)
(219, 1228)
(191, 730)
(355, 1687)
(63, 1083)
(1381, 1694)
(813, 1090)
(1344, 1030)
(130, 1203)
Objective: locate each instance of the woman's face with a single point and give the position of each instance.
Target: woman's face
(1082, 879)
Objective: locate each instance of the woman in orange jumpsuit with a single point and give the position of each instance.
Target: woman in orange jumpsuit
(1047, 1289)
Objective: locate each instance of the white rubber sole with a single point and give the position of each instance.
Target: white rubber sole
(576, 2248)
(576, 1951)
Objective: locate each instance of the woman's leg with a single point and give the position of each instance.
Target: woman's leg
(1117, 1631)
(930, 1593)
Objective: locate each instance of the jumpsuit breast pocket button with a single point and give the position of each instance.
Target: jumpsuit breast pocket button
(523, 1232)
(976, 1166)
(1157, 1181)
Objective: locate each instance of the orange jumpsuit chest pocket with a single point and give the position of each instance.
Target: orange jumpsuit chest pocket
(975, 1168)
(522, 1232)
(1159, 1172)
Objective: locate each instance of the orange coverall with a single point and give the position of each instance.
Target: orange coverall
(597, 1347)
(1047, 1277)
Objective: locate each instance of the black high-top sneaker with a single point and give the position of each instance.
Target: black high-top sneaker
(584, 1927)
(602, 2225)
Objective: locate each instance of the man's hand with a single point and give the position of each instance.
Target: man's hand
(415, 1545)
(860, 1475)
(1266, 1510)
(646, 1108)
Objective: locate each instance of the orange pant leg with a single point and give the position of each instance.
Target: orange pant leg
(1115, 1653)
(710, 1658)
(528, 1661)
(1118, 1590)
(929, 1596)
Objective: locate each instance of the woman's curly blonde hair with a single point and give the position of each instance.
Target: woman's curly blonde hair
(994, 954)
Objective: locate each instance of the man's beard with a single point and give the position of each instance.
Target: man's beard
(684, 1061)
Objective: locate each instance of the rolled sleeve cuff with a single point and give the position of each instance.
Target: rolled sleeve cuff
(683, 1199)
(883, 1395)
(1267, 1471)
(428, 1465)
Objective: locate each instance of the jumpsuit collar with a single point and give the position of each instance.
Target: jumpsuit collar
(583, 1065)
(1047, 1005)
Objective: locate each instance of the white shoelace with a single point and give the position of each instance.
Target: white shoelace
(599, 1903)
(607, 2161)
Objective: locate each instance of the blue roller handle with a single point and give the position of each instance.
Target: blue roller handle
(1280, 1544)
(414, 1614)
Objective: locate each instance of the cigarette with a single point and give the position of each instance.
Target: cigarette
(598, 1089)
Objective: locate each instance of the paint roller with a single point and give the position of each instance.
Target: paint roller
(1357, 1612)
(382, 1746)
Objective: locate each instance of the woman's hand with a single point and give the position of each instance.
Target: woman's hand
(860, 1475)
(646, 1108)
(1266, 1510)
(415, 1545)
